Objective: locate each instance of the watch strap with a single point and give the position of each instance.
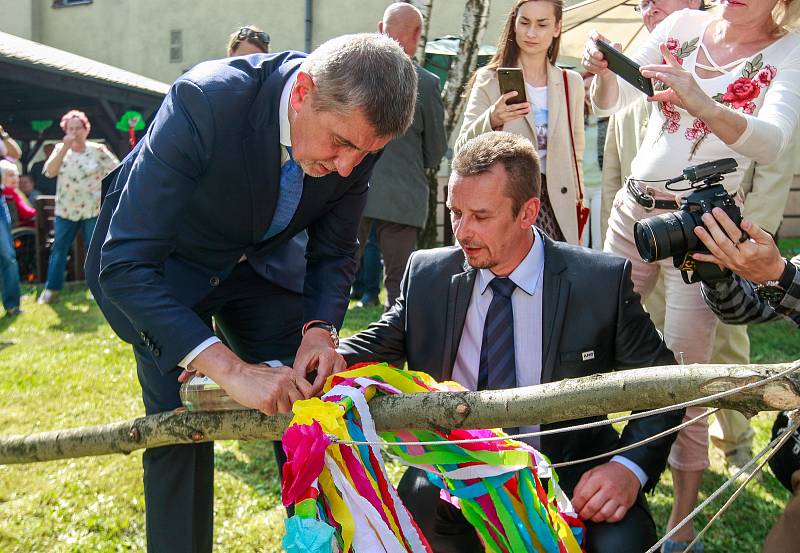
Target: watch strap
(788, 275)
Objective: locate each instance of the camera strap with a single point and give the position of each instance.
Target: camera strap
(646, 200)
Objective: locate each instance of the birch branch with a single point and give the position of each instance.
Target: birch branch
(568, 399)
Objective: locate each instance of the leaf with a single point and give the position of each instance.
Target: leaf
(692, 44)
(748, 70)
(718, 98)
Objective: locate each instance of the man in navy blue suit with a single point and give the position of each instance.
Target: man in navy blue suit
(243, 154)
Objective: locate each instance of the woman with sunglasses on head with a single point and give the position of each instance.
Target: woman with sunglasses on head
(248, 40)
(552, 116)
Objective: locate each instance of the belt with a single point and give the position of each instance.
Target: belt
(646, 199)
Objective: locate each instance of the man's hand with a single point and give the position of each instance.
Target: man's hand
(757, 258)
(605, 493)
(269, 389)
(317, 351)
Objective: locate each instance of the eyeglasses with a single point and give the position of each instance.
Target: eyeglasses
(246, 33)
(645, 6)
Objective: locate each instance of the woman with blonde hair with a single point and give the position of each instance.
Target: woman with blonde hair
(248, 40)
(727, 86)
(551, 118)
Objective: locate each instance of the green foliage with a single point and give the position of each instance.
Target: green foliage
(62, 367)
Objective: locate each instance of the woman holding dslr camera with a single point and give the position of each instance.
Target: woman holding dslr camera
(727, 84)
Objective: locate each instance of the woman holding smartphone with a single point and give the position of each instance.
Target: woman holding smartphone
(552, 116)
(727, 84)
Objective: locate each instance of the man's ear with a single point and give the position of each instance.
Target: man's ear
(301, 91)
(529, 212)
(380, 26)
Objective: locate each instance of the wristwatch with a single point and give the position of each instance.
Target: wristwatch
(773, 291)
(325, 325)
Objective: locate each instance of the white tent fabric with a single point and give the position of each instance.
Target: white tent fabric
(614, 19)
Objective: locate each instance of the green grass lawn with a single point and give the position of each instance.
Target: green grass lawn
(61, 366)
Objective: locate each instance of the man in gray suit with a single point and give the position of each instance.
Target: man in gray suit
(525, 310)
(398, 196)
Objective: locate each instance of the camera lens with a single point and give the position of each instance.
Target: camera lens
(664, 235)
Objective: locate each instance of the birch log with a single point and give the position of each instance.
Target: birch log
(558, 401)
(426, 8)
(473, 27)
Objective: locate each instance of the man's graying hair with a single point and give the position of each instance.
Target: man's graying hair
(517, 156)
(369, 72)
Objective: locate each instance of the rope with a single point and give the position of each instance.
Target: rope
(652, 438)
(585, 426)
(740, 489)
(779, 441)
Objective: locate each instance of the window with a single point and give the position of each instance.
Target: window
(68, 3)
(175, 46)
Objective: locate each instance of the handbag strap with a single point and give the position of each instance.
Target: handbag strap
(572, 138)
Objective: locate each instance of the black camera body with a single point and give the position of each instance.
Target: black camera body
(672, 234)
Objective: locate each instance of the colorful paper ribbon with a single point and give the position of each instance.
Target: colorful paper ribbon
(343, 499)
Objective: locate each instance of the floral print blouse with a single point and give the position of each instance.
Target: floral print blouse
(764, 87)
(78, 185)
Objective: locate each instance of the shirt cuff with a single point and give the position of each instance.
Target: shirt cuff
(631, 466)
(207, 343)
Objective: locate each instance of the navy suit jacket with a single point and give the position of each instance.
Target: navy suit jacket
(198, 192)
(588, 305)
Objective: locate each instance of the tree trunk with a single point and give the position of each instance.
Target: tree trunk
(427, 236)
(473, 27)
(569, 399)
(426, 7)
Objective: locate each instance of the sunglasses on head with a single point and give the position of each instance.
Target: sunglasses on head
(246, 33)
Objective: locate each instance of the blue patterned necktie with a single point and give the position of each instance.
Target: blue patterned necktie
(498, 369)
(291, 189)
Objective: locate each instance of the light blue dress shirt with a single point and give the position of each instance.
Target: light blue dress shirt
(526, 302)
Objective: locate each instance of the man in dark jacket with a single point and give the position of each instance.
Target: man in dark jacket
(243, 154)
(525, 310)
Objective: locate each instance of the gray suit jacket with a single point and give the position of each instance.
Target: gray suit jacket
(398, 190)
(588, 304)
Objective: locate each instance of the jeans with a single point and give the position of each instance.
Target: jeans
(368, 277)
(65, 235)
(9, 272)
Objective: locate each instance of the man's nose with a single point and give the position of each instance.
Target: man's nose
(345, 163)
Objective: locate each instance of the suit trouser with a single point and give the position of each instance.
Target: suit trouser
(730, 430)
(261, 321)
(448, 531)
(689, 325)
(397, 242)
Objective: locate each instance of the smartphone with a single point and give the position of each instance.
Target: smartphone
(625, 67)
(510, 78)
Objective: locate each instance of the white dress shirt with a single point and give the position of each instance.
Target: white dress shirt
(286, 141)
(526, 303)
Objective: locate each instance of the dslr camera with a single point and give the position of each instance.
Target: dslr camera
(672, 234)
